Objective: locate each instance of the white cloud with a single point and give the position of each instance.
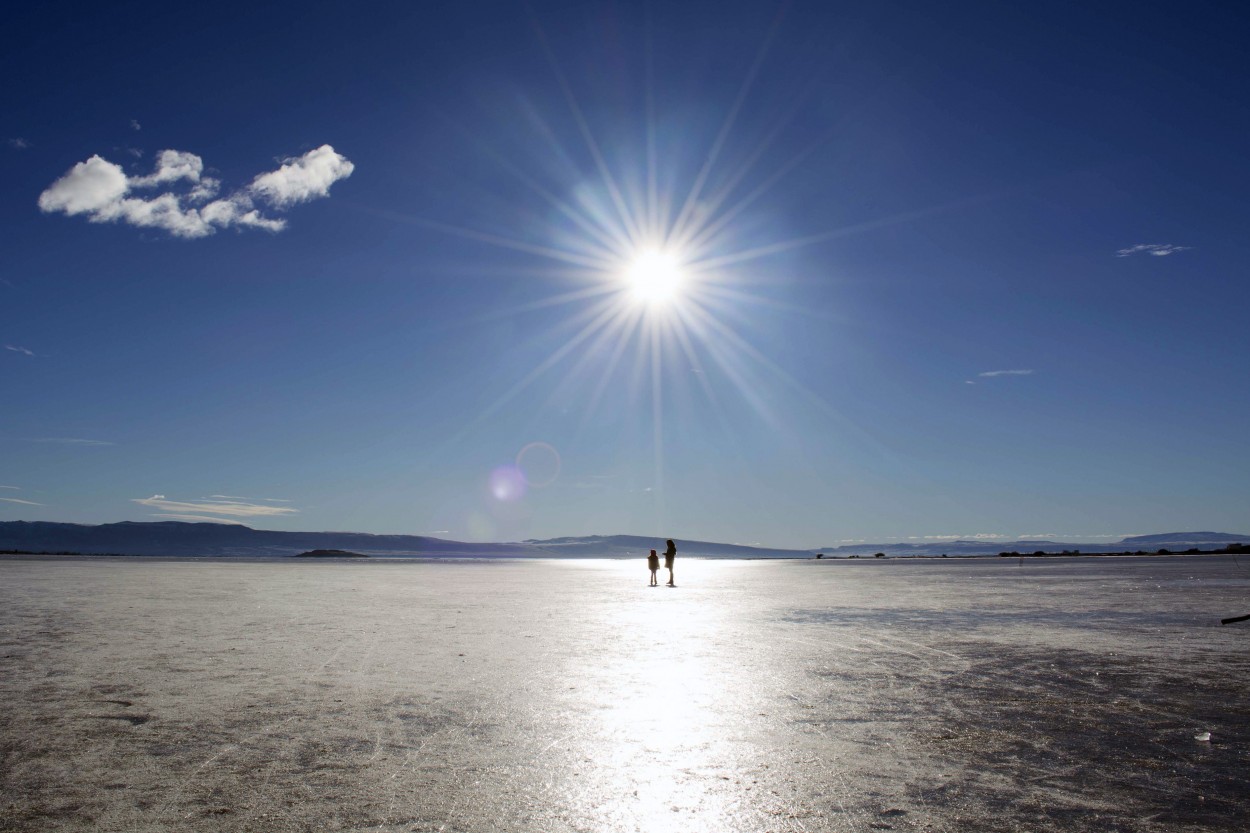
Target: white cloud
(1156, 249)
(134, 125)
(992, 373)
(19, 143)
(105, 194)
(208, 509)
(302, 179)
(88, 187)
(17, 349)
(205, 189)
(171, 166)
(70, 441)
(23, 502)
(14, 488)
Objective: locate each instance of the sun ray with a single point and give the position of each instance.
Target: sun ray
(617, 330)
(657, 415)
(548, 302)
(724, 359)
(843, 231)
(604, 312)
(605, 261)
(584, 128)
(608, 236)
(628, 325)
(702, 239)
(654, 222)
(722, 135)
(682, 333)
(731, 296)
(745, 167)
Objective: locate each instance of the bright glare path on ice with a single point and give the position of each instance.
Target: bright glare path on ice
(1061, 695)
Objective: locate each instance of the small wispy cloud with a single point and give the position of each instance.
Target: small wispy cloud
(14, 488)
(69, 441)
(174, 516)
(134, 125)
(993, 373)
(16, 349)
(104, 193)
(19, 143)
(210, 509)
(1156, 249)
(17, 500)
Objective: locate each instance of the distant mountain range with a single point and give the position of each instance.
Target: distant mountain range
(177, 538)
(1149, 543)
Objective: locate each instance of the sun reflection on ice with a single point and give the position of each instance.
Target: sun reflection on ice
(661, 727)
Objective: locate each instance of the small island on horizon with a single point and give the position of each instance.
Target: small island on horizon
(330, 554)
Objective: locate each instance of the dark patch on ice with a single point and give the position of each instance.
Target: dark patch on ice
(1076, 734)
(132, 719)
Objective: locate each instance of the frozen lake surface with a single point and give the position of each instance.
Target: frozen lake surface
(938, 695)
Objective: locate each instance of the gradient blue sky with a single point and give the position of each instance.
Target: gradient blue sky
(924, 312)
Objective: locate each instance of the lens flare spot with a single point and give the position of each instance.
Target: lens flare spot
(507, 484)
(539, 464)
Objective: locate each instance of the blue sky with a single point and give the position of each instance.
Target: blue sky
(947, 270)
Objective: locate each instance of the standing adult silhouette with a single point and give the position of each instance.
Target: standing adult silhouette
(669, 555)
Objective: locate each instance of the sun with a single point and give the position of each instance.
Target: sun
(654, 277)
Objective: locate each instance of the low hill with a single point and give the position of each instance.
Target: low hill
(178, 538)
(1187, 539)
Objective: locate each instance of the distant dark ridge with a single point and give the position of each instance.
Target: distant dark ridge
(1171, 540)
(177, 538)
(1188, 538)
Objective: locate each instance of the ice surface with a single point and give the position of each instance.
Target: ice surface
(942, 695)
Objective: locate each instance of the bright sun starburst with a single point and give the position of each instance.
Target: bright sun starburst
(656, 260)
(654, 277)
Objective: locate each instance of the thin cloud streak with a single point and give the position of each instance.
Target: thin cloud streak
(69, 441)
(992, 373)
(19, 349)
(196, 518)
(225, 508)
(18, 500)
(1155, 249)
